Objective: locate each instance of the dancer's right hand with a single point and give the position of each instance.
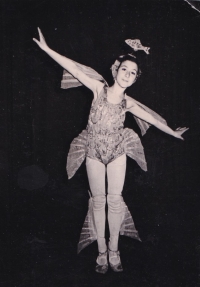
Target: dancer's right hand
(41, 43)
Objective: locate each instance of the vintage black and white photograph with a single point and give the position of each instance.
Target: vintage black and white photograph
(100, 139)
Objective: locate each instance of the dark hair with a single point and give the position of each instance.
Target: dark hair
(131, 58)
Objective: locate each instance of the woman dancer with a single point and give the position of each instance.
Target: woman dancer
(105, 144)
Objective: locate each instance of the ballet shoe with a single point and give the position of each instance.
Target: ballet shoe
(102, 268)
(115, 267)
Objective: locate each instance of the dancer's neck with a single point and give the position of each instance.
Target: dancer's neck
(117, 91)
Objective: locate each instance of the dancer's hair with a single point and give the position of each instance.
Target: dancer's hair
(130, 57)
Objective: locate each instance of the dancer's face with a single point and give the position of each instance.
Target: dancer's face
(126, 74)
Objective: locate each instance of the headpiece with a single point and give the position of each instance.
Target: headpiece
(136, 45)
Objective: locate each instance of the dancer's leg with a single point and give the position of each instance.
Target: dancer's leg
(96, 177)
(116, 174)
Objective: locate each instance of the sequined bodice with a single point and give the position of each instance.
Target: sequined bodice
(106, 118)
(105, 129)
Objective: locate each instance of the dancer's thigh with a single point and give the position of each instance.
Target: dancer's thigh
(96, 176)
(116, 171)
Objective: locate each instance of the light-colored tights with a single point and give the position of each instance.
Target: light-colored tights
(115, 176)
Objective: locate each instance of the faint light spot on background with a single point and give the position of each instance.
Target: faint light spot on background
(32, 177)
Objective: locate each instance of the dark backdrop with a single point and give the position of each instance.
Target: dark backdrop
(43, 211)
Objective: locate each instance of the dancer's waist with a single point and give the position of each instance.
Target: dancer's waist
(103, 132)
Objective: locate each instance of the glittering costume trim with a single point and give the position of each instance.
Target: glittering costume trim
(77, 153)
(128, 227)
(88, 232)
(133, 148)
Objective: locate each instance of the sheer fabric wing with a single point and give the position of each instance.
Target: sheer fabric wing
(144, 125)
(68, 81)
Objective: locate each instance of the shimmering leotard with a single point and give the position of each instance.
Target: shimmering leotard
(105, 129)
(105, 138)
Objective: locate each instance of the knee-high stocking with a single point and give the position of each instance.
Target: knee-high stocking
(99, 219)
(114, 219)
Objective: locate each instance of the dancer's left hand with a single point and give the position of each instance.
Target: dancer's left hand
(179, 131)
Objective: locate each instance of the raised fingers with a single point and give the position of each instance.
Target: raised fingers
(181, 129)
(40, 34)
(35, 40)
(184, 129)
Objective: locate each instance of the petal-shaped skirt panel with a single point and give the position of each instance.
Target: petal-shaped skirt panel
(79, 148)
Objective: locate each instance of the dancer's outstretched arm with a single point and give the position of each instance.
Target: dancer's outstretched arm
(140, 113)
(94, 85)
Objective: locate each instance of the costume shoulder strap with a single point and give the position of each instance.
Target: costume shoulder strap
(68, 81)
(144, 125)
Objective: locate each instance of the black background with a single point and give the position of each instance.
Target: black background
(43, 212)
